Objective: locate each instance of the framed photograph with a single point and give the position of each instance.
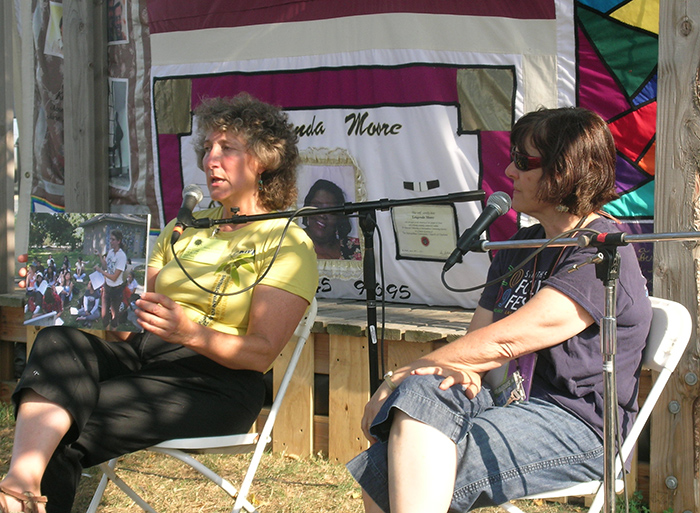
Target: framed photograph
(117, 32)
(86, 270)
(119, 147)
(54, 32)
(330, 178)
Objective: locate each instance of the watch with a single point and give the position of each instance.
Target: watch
(387, 379)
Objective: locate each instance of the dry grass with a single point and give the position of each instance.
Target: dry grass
(282, 485)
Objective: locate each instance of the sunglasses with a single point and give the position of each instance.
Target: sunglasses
(524, 162)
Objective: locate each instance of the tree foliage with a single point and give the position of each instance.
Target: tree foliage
(56, 230)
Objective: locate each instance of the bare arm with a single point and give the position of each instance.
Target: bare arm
(274, 314)
(104, 273)
(549, 318)
(481, 318)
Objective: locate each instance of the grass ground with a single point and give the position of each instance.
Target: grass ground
(282, 485)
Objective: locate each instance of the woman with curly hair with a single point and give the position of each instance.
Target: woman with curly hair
(197, 369)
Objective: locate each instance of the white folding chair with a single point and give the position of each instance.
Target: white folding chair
(233, 444)
(671, 326)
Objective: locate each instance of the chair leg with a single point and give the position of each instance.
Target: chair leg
(110, 475)
(224, 484)
(242, 499)
(100, 490)
(510, 507)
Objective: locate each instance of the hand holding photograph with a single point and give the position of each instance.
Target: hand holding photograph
(102, 271)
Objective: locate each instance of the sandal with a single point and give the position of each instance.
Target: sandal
(28, 499)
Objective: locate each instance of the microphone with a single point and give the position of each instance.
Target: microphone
(497, 205)
(191, 196)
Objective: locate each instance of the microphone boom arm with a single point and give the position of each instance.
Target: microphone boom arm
(346, 208)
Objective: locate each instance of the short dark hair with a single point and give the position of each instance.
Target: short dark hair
(268, 134)
(343, 226)
(578, 156)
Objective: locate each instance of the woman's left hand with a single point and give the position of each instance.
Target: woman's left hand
(454, 374)
(160, 315)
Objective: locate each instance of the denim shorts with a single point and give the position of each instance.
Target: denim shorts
(503, 453)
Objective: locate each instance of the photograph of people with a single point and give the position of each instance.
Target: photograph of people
(197, 368)
(91, 307)
(330, 232)
(112, 267)
(438, 441)
(79, 274)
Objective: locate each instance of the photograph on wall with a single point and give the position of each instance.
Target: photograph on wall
(327, 179)
(119, 149)
(86, 270)
(117, 32)
(54, 32)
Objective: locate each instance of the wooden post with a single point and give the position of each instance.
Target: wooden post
(24, 110)
(85, 107)
(7, 143)
(675, 457)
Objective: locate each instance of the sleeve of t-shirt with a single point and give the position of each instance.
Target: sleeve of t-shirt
(295, 269)
(121, 261)
(577, 279)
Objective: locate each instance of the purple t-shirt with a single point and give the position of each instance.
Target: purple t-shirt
(571, 373)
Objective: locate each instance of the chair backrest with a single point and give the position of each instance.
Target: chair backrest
(301, 334)
(671, 327)
(669, 334)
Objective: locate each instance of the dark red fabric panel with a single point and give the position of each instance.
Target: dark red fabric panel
(179, 15)
(344, 87)
(170, 172)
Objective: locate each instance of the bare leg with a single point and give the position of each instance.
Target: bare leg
(369, 504)
(422, 466)
(39, 428)
(105, 307)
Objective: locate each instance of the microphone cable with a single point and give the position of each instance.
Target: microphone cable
(262, 276)
(522, 264)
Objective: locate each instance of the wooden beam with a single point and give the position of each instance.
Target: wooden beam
(674, 456)
(85, 107)
(7, 163)
(25, 69)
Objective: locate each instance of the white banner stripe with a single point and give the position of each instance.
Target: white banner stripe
(385, 31)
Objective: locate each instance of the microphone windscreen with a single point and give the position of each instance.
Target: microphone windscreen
(194, 191)
(501, 201)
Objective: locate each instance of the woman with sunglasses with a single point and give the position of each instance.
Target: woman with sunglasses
(439, 440)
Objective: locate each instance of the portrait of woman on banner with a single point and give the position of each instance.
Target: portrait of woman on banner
(327, 179)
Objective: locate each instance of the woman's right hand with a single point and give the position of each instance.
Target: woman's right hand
(372, 408)
(377, 400)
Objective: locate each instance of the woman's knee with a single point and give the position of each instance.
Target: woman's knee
(57, 340)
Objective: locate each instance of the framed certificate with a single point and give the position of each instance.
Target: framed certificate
(425, 232)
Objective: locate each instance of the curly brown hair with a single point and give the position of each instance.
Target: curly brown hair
(267, 133)
(578, 156)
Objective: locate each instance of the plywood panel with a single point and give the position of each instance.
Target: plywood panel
(348, 394)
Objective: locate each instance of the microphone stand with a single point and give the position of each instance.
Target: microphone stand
(607, 262)
(368, 222)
